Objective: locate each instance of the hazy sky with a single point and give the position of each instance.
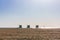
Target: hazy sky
(41, 12)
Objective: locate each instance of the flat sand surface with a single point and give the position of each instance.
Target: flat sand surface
(29, 34)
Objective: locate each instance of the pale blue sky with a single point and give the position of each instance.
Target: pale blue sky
(42, 12)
